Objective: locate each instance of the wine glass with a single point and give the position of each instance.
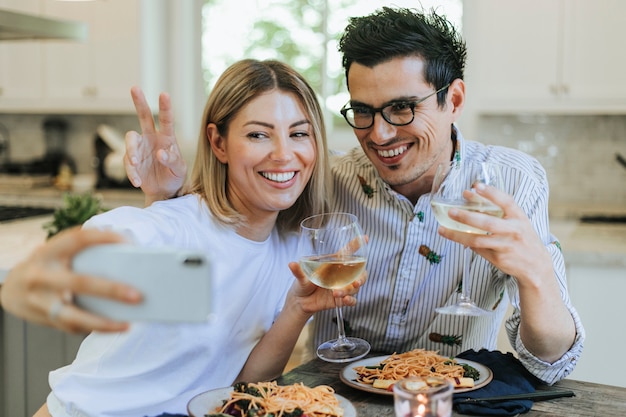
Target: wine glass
(449, 184)
(333, 253)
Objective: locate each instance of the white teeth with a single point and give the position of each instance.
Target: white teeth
(278, 176)
(388, 153)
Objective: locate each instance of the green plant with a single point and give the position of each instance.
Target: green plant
(76, 210)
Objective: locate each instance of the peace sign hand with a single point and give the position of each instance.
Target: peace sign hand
(153, 160)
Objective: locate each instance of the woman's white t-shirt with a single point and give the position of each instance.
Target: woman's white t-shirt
(158, 367)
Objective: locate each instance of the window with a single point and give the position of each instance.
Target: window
(303, 33)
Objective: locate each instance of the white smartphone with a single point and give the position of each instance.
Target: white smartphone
(176, 284)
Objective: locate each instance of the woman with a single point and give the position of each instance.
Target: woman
(260, 168)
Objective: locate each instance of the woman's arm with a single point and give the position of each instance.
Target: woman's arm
(40, 288)
(269, 357)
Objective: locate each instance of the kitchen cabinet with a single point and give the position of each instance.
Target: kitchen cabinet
(94, 76)
(30, 353)
(554, 56)
(598, 294)
(20, 62)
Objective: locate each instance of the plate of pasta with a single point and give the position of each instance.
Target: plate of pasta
(378, 374)
(271, 399)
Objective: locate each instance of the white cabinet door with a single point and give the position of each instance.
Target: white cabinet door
(597, 294)
(20, 61)
(97, 74)
(512, 51)
(557, 56)
(594, 57)
(67, 76)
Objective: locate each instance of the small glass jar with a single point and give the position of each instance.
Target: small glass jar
(423, 397)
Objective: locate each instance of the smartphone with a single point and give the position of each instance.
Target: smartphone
(175, 283)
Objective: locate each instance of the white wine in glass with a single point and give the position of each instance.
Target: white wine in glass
(449, 184)
(333, 253)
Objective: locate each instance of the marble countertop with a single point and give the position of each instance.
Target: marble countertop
(591, 244)
(52, 197)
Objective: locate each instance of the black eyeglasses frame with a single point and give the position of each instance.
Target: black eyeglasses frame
(412, 104)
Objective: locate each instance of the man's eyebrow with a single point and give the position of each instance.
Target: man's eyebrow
(357, 103)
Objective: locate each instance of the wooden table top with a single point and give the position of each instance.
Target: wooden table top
(590, 400)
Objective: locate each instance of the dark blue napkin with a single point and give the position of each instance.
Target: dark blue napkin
(172, 415)
(509, 377)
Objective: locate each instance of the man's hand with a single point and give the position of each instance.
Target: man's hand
(153, 160)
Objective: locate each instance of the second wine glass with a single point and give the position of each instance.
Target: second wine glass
(333, 253)
(450, 182)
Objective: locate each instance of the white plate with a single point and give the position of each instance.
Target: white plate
(348, 375)
(208, 401)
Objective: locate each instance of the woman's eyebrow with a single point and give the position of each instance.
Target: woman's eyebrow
(271, 126)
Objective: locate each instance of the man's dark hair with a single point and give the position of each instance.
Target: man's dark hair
(399, 32)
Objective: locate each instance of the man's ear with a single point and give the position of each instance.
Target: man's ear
(218, 144)
(456, 97)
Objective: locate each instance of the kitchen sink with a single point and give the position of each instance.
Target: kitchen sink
(8, 213)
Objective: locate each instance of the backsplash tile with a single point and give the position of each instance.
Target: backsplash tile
(578, 153)
(27, 138)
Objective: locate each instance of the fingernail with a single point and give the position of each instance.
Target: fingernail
(480, 186)
(165, 157)
(133, 295)
(133, 160)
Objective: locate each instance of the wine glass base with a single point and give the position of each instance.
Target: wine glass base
(335, 351)
(463, 309)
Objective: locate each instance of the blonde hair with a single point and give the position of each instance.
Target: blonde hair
(238, 85)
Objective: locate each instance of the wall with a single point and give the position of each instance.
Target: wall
(578, 153)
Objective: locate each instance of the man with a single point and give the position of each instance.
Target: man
(404, 72)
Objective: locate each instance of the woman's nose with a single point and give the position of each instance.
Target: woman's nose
(282, 149)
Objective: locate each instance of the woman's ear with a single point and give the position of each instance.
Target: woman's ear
(218, 144)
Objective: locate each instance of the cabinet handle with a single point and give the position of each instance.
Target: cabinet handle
(554, 89)
(90, 91)
(565, 89)
(1, 91)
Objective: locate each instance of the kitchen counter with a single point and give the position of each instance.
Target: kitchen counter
(588, 244)
(591, 244)
(20, 237)
(52, 197)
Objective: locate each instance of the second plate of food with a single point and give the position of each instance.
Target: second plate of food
(349, 375)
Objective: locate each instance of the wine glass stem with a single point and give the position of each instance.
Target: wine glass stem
(341, 338)
(467, 252)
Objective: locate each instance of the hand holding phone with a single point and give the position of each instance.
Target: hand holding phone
(175, 283)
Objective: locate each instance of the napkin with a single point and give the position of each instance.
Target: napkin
(509, 377)
(172, 415)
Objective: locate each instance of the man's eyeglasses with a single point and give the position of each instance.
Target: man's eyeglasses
(399, 113)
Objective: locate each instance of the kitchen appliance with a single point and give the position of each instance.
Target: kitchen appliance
(109, 161)
(4, 145)
(55, 157)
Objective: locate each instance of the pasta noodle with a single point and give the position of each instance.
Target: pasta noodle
(279, 400)
(418, 362)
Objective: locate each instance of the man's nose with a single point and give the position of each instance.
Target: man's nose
(382, 130)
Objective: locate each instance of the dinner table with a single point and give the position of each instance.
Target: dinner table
(590, 399)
